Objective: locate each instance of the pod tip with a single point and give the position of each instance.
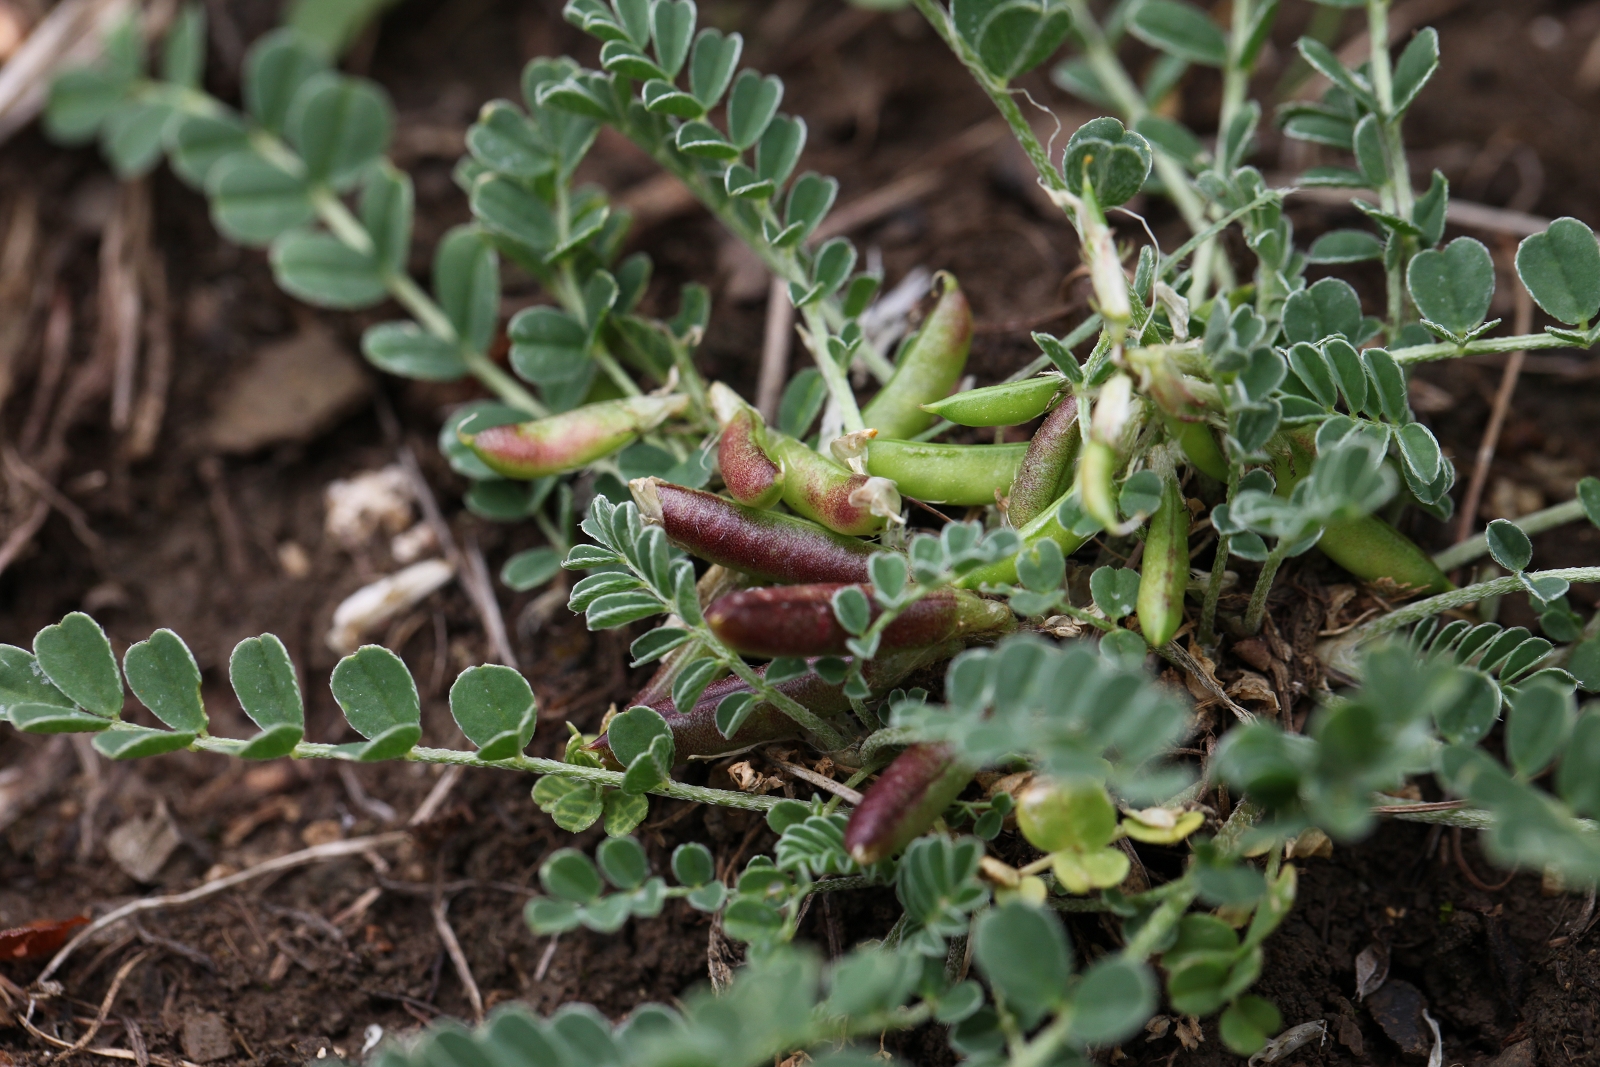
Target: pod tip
(648, 497)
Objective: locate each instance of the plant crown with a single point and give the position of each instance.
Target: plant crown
(1278, 401)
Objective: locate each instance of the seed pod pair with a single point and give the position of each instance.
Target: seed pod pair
(1046, 469)
(761, 466)
(928, 368)
(908, 796)
(798, 620)
(570, 440)
(774, 547)
(1164, 575)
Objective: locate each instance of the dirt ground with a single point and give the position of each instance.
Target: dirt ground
(220, 540)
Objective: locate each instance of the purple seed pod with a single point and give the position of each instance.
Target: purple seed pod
(1047, 468)
(750, 475)
(695, 734)
(798, 620)
(908, 796)
(779, 548)
(572, 439)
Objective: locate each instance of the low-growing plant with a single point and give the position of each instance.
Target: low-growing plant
(1276, 404)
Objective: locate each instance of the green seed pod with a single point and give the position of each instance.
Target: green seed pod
(967, 475)
(929, 367)
(1369, 548)
(1199, 446)
(823, 491)
(1046, 470)
(1074, 815)
(1011, 404)
(572, 439)
(1097, 469)
(1164, 575)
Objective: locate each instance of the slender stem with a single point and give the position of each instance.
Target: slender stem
(1396, 193)
(1464, 552)
(833, 375)
(939, 19)
(1235, 84)
(1460, 598)
(1257, 610)
(780, 261)
(593, 775)
(1219, 566)
(1131, 102)
(826, 735)
(1484, 346)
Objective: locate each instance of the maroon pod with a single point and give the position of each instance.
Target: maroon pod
(908, 796)
(695, 733)
(747, 470)
(1047, 467)
(778, 548)
(798, 620)
(750, 475)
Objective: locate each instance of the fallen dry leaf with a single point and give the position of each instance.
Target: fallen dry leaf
(39, 939)
(1372, 969)
(1251, 687)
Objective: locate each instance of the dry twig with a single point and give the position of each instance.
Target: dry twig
(821, 781)
(457, 958)
(316, 854)
(1497, 421)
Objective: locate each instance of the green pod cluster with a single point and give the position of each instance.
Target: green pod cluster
(1046, 470)
(965, 475)
(1007, 404)
(929, 366)
(1164, 574)
(570, 440)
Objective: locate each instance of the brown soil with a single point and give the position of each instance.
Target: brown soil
(262, 972)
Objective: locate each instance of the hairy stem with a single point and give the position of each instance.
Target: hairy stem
(1256, 612)
(1484, 346)
(1460, 598)
(1219, 566)
(533, 765)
